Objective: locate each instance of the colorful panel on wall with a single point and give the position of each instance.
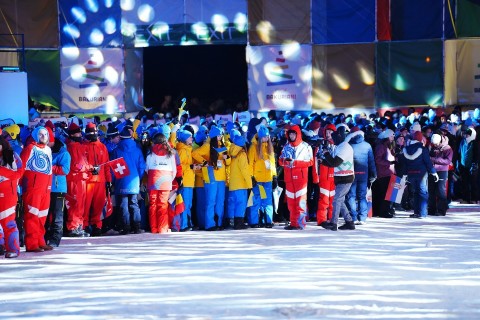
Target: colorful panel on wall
(343, 21)
(92, 80)
(279, 77)
(343, 76)
(279, 21)
(178, 22)
(462, 77)
(86, 24)
(43, 69)
(409, 73)
(36, 19)
(413, 19)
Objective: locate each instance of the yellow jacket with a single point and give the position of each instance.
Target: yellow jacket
(202, 154)
(240, 173)
(185, 154)
(258, 166)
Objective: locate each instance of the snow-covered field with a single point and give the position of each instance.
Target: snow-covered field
(398, 268)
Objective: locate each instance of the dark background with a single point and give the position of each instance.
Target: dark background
(209, 72)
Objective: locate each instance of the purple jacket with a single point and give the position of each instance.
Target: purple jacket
(441, 155)
(384, 161)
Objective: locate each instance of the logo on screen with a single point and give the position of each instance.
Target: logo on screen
(280, 71)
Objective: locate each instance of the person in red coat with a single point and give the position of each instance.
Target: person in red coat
(296, 157)
(80, 170)
(10, 171)
(97, 156)
(36, 186)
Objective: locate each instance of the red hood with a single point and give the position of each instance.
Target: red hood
(159, 150)
(298, 140)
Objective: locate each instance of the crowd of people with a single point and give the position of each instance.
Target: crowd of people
(57, 179)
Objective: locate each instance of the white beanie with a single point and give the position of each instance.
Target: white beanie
(386, 134)
(416, 127)
(436, 138)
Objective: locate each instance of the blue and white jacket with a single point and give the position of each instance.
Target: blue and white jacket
(128, 149)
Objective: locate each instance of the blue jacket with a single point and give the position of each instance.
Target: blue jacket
(128, 149)
(61, 167)
(363, 159)
(417, 160)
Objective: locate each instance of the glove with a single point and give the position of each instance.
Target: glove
(274, 182)
(435, 177)
(109, 187)
(179, 181)
(254, 182)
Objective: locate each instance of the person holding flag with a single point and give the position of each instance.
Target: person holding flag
(128, 173)
(161, 169)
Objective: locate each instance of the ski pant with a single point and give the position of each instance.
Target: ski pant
(36, 205)
(54, 222)
(297, 205)
(95, 199)
(75, 211)
(261, 202)
(215, 201)
(128, 204)
(186, 217)
(10, 236)
(158, 211)
(237, 203)
(200, 206)
(325, 200)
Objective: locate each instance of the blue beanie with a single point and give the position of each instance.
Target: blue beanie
(234, 133)
(230, 126)
(161, 129)
(263, 132)
(215, 132)
(200, 136)
(238, 140)
(183, 135)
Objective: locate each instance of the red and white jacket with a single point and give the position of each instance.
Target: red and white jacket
(37, 161)
(160, 168)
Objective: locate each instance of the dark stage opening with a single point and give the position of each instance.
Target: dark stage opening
(215, 74)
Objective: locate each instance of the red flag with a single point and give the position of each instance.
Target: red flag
(119, 168)
(108, 208)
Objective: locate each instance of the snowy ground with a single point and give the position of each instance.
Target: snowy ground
(398, 268)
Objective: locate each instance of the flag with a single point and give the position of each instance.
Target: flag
(395, 190)
(174, 217)
(70, 201)
(250, 200)
(208, 174)
(108, 208)
(263, 194)
(369, 202)
(119, 168)
(220, 150)
(179, 204)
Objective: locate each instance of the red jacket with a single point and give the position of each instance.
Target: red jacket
(97, 154)
(37, 161)
(79, 166)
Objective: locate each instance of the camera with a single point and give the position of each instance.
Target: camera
(95, 170)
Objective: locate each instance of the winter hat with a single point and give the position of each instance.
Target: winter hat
(238, 140)
(51, 136)
(112, 131)
(297, 120)
(436, 138)
(183, 135)
(215, 132)
(444, 128)
(387, 134)
(230, 126)
(125, 134)
(163, 129)
(418, 136)
(416, 127)
(200, 136)
(13, 130)
(313, 125)
(91, 128)
(74, 128)
(263, 132)
(49, 124)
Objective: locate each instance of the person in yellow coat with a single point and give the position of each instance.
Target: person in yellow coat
(240, 180)
(214, 157)
(184, 149)
(198, 215)
(261, 158)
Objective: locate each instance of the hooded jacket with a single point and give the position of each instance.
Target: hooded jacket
(37, 160)
(132, 154)
(363, 159)
(441, 155)
(296, 171)
(468, 151)
(97, 155)
(9, 176)
(60, 159)
(417, 159)
(384, 160)
(185, 154)
(161, 169)
(240, 171)
(202, 155)
(262, 169)
(342, 161)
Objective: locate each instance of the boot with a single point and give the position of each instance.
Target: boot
(239, 224)
(2, 249)
(137, 229)
(349, 225)
(96, 232)
(228, 223)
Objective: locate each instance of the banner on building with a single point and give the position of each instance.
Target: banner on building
(280, 77)
(92, 80)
